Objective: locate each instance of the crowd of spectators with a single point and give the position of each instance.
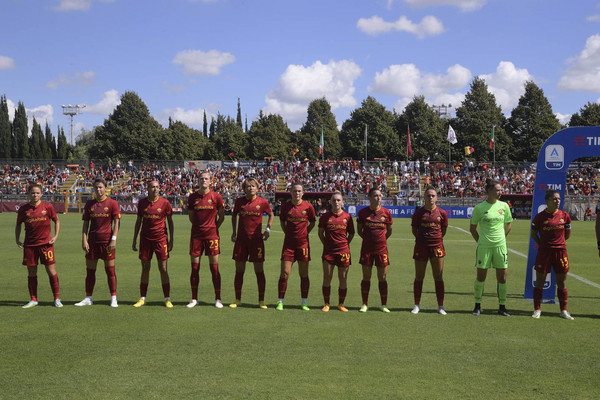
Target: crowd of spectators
(351, 177)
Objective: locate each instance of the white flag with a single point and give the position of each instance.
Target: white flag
(452, 135)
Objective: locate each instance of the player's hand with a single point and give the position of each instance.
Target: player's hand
(170, 246)
(85, 246)
(134, 246)
(19, 244)
(112, 245)
(233, 237)
(52, 241)
(266, 235)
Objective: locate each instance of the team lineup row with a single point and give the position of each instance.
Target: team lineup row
(490, 224)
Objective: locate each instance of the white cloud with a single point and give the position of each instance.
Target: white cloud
(110, 99)
(429, 26)
(74, 5)
(583, 72)
(507, 84)
(299, 85)
(407, 81)
(7, 63)
(593, 18)
(194, 117)
(198, 62)
(463, 5)
(77, 78)
(563, 118)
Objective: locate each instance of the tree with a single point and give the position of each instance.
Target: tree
(20, 133)
(428, 132)
(205, 126)
(238, 119)
(62, 145)
(270, 137)
(382, 139)
(50, 143)
(531, 123)
(5, 132)
(589, 115)
(36, 151)
(130, 132)
(229, 138)
(319, 116)
(188, 143)
(475, 118)
(83, 143)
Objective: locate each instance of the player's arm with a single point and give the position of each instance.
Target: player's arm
(350, 234)
(171, 228)
(415, 231)
(507, 228)
(116, 223)
(311, 225)
(359, 229)
(269, 224)
(220, 216)
(56, 231)
(84, 236)
(444, 230)
(321, 233)
(535, 235)
(136, 231)
(474, 233)
(388, 231)
(234, 226)
(18, 234)
(190, 216)
(598, 229)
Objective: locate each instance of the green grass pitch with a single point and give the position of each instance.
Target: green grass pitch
(103, 353)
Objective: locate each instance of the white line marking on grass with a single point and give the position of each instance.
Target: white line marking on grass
(579, 278)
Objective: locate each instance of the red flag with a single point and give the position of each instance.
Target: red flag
(408, 146)
(231, 155)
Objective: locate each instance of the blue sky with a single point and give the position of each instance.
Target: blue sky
(183, 57)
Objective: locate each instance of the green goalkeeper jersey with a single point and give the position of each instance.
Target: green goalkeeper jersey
(491, 219)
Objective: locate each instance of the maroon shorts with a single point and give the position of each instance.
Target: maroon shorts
(100, 251)
(548, 258)
(249, 249)
(340, 260)
(45, 255)
(297, 254)
(149, 247)
(198, 246)
(424, 253)
(380, 259)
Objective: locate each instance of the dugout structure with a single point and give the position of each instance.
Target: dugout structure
(555, 156)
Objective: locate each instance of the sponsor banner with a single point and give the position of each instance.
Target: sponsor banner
(244, 164)
(202, 164)
(408, 211)
(128, 208)
(13, 206)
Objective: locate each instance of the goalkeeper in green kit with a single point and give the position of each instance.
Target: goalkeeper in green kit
(494, 220)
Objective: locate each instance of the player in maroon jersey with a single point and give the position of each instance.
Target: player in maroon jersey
(39, 244)
(336, 230)
(374, 227)
(429, 224)
(297, 218)
(550, 229)
(152, 213)
(249, 238)
(206, 213)
(101, 218)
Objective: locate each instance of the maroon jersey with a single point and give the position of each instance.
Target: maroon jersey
(297, 218)
(101, 214)
(38, 230)
(153, 215)
(375, 223)
(336, 227)
(429, 225)
(250, 213)
(551, 228)
(204, 208)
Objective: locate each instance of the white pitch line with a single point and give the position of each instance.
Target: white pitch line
(579, 278)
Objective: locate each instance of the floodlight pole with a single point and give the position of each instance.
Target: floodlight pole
(71, 111)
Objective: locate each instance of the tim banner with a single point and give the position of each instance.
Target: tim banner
(408, 211)
(560, 150)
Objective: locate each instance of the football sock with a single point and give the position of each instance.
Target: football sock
(326, 293)
(502, 294)
(281, 288)
(90, 282)
(417, 289)
(478, 291)
(216, 280)
(383, 292)
(537, 298)
(262, 284)
(365, 287)
(562, 298)
(238, 282)
(32, 284)
(112, 280)
(439, 292)
(143, 289)
(54, 286)
(304, 286)
(166, 287)
(195, 280)
(342, 295)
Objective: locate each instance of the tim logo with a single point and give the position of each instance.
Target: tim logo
(579, 141)
(546, 186)
(555, 156)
